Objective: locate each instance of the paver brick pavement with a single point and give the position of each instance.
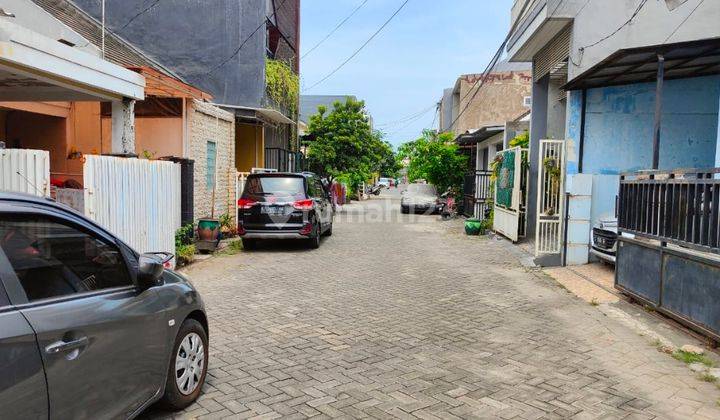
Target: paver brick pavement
(396, 316)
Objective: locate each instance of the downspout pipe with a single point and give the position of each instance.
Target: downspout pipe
(658, 110)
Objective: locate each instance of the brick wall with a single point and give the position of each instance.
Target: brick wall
(499, 100)
(209, 123)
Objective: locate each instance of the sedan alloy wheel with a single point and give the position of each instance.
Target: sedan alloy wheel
(189, 363)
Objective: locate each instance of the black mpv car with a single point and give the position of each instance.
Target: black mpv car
(280, 205)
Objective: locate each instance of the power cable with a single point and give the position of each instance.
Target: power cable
(611, 34)
(492, 63)
(361, 47)
(242, 44)
(404, 119)
(342, 22)
(683, 21)
(409, 122)
(435, 115)
(132, 19)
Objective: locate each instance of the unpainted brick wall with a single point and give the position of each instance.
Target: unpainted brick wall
(499, 100)
(210, 123)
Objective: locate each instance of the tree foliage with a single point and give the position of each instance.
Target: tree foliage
(341, 143)
(436, 159)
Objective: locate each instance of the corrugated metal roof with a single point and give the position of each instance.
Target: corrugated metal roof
(117, 50)
(309, 104)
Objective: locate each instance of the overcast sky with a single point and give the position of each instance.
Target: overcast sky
(405, 68)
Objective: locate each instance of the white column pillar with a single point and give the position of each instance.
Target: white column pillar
(123, 126)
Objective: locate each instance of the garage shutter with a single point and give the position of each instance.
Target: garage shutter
(552, 54)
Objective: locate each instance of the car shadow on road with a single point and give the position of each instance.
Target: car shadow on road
(279, 245)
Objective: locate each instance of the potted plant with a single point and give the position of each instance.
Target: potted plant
(473, 226)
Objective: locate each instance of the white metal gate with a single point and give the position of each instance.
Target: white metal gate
(25, 170)
(136, 199)
(509, 218)
(550, 203)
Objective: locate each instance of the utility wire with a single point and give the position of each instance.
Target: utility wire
(361, 47)
(435, 115)
(684, 20)
(408, 123)
(493, 61)
(342, 22)
(611, 34)
(132, 19)
(517, 21)
(242, 44)
(404, 119)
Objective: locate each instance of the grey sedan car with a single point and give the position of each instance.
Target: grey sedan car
(420, 197)
(88, 327)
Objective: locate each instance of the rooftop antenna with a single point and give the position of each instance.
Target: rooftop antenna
(38, 190)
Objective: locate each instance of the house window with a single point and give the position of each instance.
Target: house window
(211, 163)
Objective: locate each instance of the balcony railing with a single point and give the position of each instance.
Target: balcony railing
(681, 207)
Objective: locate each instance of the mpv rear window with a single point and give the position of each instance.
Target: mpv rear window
(276, 186)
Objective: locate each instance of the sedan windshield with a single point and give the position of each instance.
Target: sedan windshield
(424, 189)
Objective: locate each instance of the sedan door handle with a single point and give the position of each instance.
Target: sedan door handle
(62, 346)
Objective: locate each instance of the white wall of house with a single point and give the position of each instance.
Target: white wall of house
(655, 24)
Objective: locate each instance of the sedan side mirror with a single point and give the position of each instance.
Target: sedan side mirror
(150, 269)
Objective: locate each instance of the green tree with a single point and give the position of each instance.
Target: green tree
(436, 159)
(341, 143)
(389, 165)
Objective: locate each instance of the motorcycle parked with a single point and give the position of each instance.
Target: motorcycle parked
(449, 207)
(373, 189)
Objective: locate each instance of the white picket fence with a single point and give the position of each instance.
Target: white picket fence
(25, 171)
(136, 199)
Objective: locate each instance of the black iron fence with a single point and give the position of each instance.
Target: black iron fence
(468, 204)
(679, 207)
(476, 193)
(679, 212)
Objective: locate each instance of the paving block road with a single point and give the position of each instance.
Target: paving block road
(402, 316)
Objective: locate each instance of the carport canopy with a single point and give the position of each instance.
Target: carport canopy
(638, 65)
(37, 68)
(653, 63)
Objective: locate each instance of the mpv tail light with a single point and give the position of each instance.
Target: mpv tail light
(303, 204)
(246, 203)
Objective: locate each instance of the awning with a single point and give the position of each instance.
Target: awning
(478, 135)
(638, 65)
(37, 68)
(268, 115)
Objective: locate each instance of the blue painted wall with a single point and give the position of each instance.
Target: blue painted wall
(619, 125)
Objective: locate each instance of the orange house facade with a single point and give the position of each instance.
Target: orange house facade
(175, 120)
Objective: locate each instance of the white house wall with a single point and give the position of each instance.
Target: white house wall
(655, 24)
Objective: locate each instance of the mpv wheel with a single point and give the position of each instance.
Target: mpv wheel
(188, 366)
(314, 240)
(249, 244)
